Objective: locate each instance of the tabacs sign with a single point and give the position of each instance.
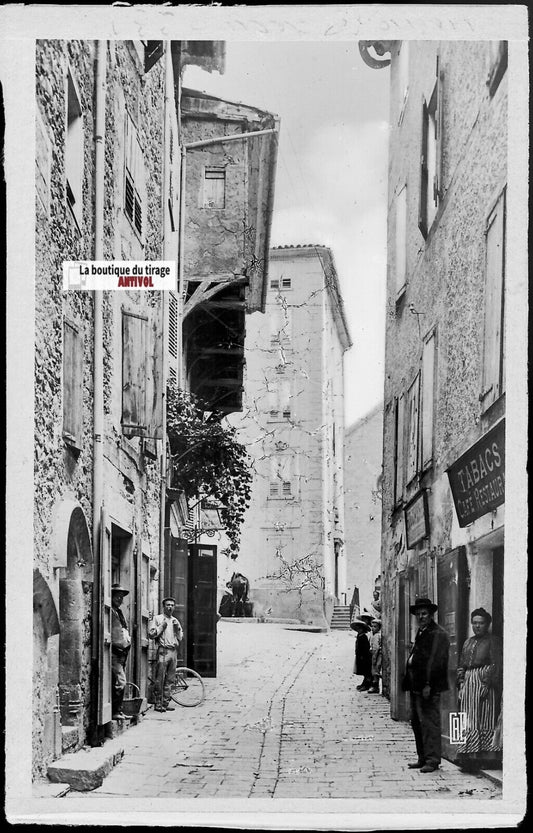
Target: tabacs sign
(477, 478)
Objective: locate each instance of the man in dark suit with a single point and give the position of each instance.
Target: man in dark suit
(426, 675)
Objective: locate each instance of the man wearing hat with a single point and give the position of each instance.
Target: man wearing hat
(363, 660)
(120, 647)
(426, 675)
(168, 633)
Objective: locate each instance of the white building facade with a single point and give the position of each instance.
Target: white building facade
(292, 546)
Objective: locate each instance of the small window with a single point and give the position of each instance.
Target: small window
(74, 151)
(214, 188)
(286, 283)
(274, 284)
(498, 60)
(72, 385)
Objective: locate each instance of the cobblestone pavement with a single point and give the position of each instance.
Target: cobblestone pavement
(283, 719)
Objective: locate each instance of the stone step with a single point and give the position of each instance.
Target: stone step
(85, 770)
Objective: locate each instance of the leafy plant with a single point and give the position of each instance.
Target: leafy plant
(208, 461)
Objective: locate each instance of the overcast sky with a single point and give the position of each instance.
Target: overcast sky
(331, 185)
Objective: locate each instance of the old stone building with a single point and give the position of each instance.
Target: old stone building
(363, 449)
(109, 174)
(444, 415)
(292, 548)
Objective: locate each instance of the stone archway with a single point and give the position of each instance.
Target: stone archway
(73, 552)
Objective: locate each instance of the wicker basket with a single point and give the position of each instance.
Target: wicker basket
(131, 706)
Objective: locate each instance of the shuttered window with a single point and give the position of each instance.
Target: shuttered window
(74, 151)
(134, 178)
(412, 455)
(428, 398)
(401, 240)
(430, 189)
(494, 343)
(498, 59)
(283, 482)
(72, 385)
(280, 400)
(134, 337)
(399, 409)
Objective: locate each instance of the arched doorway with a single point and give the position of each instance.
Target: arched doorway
(75, 559)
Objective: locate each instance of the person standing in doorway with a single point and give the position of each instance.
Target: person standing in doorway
(120, 647)
(168, 633)
(375, 650)
(479, 680)
(426, 676)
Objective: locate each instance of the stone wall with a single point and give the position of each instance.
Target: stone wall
(445, 284)
(62, 472)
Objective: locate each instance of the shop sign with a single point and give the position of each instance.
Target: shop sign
(477, 478)
(416, 519)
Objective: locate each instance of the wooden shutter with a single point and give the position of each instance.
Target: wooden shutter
(428, 399)
(399, 449)
(72, 384)
(413, 397)
(154, 378)
(103, 589)
(493, 359)
(134, 328)
(401, 238)
(423, 185)
(439, 115)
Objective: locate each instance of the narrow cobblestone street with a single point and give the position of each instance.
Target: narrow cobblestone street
(283, 719)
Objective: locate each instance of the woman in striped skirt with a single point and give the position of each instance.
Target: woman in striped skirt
(479, 679)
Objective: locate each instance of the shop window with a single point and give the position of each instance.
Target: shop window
(134, 178)
(399, 409)
(412, 450)
(134, 334)
(214, 188)
(72, 385)
(498, 64)
(430, 156)
(403, 78)
(428, 398)
(494, 336)
(401, 241)
(74, 151)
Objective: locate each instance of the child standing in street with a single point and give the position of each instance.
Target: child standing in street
(375, 649)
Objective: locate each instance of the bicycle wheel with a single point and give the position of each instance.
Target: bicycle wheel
(188, 690)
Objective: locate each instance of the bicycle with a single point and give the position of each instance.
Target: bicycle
(188, 689)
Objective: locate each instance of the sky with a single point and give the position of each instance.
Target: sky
(331, 183)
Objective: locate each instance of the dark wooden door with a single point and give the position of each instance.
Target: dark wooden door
(402, 697)
(202, 610)
(178, 588)
(452, 599)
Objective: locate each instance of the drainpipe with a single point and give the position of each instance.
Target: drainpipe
(169, 94)
(98, 355)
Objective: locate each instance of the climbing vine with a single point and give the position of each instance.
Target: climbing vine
(208, 461)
